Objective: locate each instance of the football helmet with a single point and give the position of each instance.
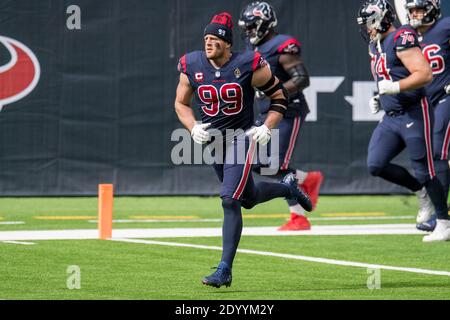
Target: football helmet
(378, 15)
(257, 19)
(432, 12)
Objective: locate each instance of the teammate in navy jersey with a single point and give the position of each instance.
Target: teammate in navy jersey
(434, 37)
(222, 83)
(401, 71)
(283, 53)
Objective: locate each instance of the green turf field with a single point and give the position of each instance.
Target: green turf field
(120, 270)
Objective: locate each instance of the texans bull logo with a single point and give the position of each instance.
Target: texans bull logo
(20, 75)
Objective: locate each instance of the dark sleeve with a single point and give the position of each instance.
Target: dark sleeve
(405, 39)
(182, 65)
(258, 62)
(291, 46)
(446, 24)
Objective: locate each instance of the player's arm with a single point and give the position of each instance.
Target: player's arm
(183, 102)
(186, 114)
(418, 66)
(265, 81)
(294, 66)
(409, 53)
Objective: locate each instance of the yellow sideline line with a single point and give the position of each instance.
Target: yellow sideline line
(262, 216)
(164, 217)
(337, 214)
(65, 217)
(354, 214)
(246, 216)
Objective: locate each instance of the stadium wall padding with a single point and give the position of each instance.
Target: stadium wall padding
(102, 111)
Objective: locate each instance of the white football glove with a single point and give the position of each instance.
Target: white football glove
(447, 89)
(199, 134)
(260, 134)
(374, 104)
(388, 87)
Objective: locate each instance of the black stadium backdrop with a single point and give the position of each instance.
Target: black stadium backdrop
(95, 105)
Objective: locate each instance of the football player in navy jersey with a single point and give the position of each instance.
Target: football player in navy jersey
(402, 72)
(222, 84)
(434, 37)
(283, 53)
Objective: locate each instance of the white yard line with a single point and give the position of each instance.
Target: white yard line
(11, 222)
(294, 257)
(19, 242)
(343, 230)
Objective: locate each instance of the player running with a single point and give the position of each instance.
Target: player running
(283, 53)
(221, 83)
(401, 72)
(434, 36)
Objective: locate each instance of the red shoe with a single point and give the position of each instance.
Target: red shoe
(297, 223)
(311, 186)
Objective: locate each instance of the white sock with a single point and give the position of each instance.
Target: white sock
(301, 176)
(297, 209)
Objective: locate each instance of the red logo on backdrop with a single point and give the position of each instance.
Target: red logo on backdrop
(20, 75)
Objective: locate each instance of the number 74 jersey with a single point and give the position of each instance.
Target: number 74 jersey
(223, 96)
(435, 45)
(387, 66)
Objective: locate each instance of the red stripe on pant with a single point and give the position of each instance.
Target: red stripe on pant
(247, 169)
(292, 141)
(427, 129)
(444, 151)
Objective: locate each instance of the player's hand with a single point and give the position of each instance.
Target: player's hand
(260, 134)
(199, 134)
(388, 87)
(447, 89)
(374, 104)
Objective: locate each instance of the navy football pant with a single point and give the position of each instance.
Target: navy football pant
(441, 141)
(289, 131)
(413, 131)
(239, 190)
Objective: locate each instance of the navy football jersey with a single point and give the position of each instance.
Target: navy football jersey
(223, 96)
(387, 66)
(436, 49)
(271, 51)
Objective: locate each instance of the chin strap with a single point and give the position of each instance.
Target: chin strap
(379, 45)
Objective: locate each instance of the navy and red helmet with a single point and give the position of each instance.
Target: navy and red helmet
(432, 11)
(378, 15)
(257, 19)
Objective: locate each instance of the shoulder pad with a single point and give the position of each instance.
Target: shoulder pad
(291, 45)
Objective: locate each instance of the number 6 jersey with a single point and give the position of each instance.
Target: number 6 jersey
(436, 49)
(223, 96)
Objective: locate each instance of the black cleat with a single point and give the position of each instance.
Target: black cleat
(296, 192)
(221, 277)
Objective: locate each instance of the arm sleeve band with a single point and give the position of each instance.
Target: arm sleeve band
(267, 85)
(278, 105)
(299, 76)
(275, 88)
